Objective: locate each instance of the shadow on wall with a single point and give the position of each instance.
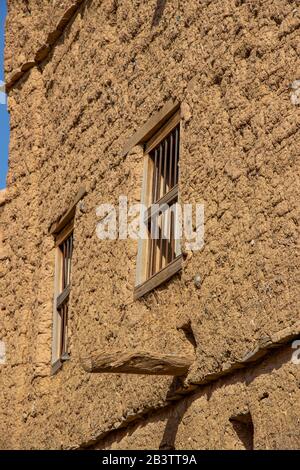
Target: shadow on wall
(244, 429)
(159, 10)
(233, 429)
(240, 433)
(174, 420)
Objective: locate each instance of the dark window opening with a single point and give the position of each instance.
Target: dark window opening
(244, 429)
(62, 305)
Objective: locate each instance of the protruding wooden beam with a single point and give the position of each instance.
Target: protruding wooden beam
(140, 362)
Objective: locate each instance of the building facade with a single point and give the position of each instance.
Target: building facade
(93, 88)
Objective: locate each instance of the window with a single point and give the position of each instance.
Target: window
(159, 256)
(62, 230)
(63, 261)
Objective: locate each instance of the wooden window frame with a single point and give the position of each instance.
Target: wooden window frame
(61, 300)
(61, 231)
(144, 283)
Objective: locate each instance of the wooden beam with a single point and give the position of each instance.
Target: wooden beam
(58, 226)
(144, 363)
(158, 278)
(144, 133)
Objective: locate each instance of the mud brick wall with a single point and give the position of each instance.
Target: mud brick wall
(208, 418)
(82, 77)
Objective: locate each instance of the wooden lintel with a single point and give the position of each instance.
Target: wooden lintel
(140, 362)
(58, 226)
(151, 126)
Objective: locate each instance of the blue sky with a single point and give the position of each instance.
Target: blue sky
(4, 118)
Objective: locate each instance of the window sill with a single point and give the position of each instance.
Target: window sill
(158, 278)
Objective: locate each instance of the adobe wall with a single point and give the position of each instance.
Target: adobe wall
(2, 203)
(82, 78)
(205, 420)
